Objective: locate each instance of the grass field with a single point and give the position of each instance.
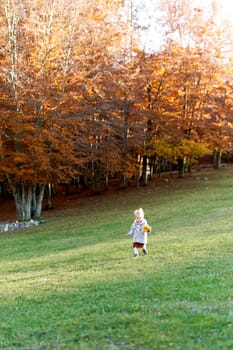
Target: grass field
(72, 282)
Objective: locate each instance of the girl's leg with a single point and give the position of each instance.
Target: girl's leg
(135, 250)
(144, 250)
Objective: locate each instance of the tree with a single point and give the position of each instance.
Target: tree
(45, 67)
(36, 145)
(186, 83)
(79, 98)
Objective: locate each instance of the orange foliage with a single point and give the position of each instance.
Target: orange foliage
(77, 95)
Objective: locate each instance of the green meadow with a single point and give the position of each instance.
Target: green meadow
(72, 282)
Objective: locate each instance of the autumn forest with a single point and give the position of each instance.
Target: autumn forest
(82, 99)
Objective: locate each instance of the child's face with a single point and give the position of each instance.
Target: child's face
(139, 218)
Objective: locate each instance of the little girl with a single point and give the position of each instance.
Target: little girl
(139, 230)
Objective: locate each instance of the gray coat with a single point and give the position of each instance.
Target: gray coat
(136, 232)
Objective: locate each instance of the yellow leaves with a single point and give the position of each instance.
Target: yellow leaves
(170, 150)
(161, 71)
(191, 148)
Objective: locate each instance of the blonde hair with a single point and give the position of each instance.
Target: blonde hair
(139, 212)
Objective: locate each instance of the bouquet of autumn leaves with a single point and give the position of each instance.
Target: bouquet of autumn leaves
(146, 228)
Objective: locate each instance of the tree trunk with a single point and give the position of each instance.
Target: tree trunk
(144, 171)
(23, 201)
(122, 181)
(96, 177)
(39, 202)
(106, 181)
(126, 109)
(181, 167)
(28, 200)
(48, 194)
(137, 177)
(152, 166)
(218, 159)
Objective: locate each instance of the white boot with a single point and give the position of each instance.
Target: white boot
(145, 252)
(135, 250)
